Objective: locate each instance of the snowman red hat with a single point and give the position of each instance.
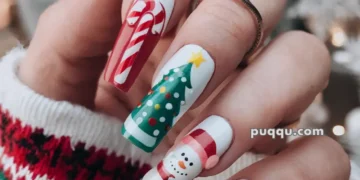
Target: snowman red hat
(208, 144)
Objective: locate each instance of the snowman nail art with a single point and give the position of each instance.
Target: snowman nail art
(199, 150)
(177, 86)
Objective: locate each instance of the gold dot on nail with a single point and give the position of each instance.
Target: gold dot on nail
(163, 89)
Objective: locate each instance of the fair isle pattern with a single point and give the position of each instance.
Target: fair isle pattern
(15, 172)
(27, 153)
(146, 16)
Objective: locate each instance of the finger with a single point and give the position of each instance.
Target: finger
(269, 145)
(143, 26)
(278, 86)
(272, 144)
(201, 53)
(69, 49)
(304, 159)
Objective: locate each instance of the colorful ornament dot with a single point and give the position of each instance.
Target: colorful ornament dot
(152, 121)
(176, 95)
(149, 103)
(162, 119)
(144, 114)
(156, 132)
(183, 79)
(157, 106)
(163, 89)
(168, 96)
(168, 106)
(139, 120)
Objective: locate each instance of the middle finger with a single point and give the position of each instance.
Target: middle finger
(209, 47)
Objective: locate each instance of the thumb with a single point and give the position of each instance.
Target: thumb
(69, 49)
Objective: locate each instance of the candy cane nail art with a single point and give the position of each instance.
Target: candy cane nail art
(145, 23)
(199, 150)
(177, 86)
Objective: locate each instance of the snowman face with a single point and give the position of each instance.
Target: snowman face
(183, 163)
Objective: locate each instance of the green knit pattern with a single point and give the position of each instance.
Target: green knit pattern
(2, 176)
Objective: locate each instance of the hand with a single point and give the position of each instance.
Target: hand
(5, 14)
(67, 56)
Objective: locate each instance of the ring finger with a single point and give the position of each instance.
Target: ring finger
(276, 88)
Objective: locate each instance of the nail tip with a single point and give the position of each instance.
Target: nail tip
(133, 141)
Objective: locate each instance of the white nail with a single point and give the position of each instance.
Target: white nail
(199, 150)
(175, 89)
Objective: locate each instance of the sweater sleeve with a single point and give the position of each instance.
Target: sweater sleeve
(45, 139)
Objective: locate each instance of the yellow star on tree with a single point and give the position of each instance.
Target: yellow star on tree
(197, 59)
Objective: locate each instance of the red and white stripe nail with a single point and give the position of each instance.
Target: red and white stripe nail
(145, 22)
(199, 150)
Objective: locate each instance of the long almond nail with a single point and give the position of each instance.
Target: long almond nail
(198, 150)
(141, 31)
(176, 88)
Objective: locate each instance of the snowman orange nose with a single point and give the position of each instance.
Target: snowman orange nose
(182, 164)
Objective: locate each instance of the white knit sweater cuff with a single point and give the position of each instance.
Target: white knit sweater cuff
(61, 118)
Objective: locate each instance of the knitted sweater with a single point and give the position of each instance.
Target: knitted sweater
(45, 139)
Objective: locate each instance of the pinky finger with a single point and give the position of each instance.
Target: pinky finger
(309, 158)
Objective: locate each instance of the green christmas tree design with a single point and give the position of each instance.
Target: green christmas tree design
(160, 108)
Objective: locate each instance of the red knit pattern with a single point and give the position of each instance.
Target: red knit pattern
(54, 157)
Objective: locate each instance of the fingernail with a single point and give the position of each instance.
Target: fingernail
(175, 89)
(145, 23)
(198, 150)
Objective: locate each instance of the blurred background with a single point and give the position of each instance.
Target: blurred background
(336, 22)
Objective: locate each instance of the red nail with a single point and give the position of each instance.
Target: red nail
(139, 35)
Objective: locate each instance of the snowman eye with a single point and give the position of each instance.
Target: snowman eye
(191, 164)
(183, 154)
(186, 159)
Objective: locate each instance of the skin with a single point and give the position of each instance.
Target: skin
(68, 53)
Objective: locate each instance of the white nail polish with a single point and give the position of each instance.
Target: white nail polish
(176, 87)
(199, 150)
(200, 75)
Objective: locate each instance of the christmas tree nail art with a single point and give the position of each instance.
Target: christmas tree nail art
(199, 150)
(176, 88)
